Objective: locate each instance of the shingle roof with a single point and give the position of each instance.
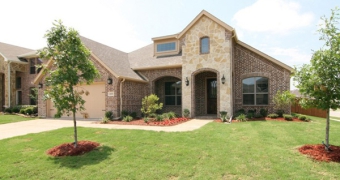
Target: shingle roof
(114, 59)
(143, 58)
(11, 52)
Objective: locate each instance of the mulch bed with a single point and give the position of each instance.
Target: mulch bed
(68, 149)
(141, 122)
(318, 152)
(261, 119)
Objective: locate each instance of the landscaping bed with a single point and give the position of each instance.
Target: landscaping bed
(318, 152)
(68, 149)
(172, 122)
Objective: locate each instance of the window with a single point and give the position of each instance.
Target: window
(33, 96)
(173, 93)
(255, 91)
(18, 83)
(166, 47)
(204, 45)
(32, 66)
(39, 62)
(19, 97)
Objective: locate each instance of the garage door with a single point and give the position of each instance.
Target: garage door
(94, 102)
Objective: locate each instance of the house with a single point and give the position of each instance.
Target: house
(204, 68)
(16, 75)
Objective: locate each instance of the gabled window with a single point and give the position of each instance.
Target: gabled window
(32, 66)
(255, 91)
(173, 93)
(205, 45)
(171, 46)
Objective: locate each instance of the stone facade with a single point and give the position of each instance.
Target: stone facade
(248, 64)
(218, 60)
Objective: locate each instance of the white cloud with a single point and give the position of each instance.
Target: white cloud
(290, 56)
(277, 16)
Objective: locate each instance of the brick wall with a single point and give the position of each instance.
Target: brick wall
(248, 64)
(26, 84)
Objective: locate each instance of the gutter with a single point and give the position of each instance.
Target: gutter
(121, 99)
(9, 83)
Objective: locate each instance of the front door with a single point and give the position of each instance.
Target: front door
(211, 96)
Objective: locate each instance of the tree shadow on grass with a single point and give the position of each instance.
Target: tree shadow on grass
(94, 157)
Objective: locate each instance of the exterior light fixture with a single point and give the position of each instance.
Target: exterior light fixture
(109, 81)
(187, 81)
(223, 79)
(40, 85)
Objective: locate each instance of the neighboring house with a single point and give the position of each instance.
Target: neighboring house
(16, 75)
(204, 68)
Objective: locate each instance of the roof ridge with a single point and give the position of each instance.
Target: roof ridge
(102, 44)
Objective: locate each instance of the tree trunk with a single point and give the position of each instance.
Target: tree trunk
(75, 130)
(327, 131)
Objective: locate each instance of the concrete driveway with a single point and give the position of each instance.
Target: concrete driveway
(41, 125)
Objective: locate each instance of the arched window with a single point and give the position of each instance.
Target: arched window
(255, 91)
(205, 45)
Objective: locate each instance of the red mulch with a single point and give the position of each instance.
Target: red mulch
(171, 122)
(319, 153)
(261, 119)
(68, 149)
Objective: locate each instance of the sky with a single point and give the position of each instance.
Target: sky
(283, 29)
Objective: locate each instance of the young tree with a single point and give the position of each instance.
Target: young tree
(150, 104)
(283, 100)
(319, 81)
(71, 67)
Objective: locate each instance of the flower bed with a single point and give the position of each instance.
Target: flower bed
(171, 122)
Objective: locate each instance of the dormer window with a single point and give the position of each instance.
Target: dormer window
(205, 45)
(171, 46)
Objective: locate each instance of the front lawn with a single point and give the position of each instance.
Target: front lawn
(247, 150)
(4, 119)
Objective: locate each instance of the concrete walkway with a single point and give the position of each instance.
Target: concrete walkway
(41, 125)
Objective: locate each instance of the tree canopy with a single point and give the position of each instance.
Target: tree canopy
(71, 67)
(319, 81)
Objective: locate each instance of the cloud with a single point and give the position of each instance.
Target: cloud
(275, 16)
(290, 56)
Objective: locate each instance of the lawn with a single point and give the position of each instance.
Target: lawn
(248, 150)
(4, 119)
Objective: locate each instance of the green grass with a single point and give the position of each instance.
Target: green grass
(247, 150)
(4, 119)
(336, 118)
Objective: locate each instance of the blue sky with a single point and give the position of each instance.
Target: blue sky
(283, 29)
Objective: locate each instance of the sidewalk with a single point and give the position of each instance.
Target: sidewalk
(41, 125)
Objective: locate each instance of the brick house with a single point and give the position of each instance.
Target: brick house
(16, 75)
(204, 68)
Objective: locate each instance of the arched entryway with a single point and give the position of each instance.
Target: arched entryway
(169, 91)
(206, 94)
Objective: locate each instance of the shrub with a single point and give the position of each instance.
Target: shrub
(165, 116)
(241, 117)
(258, 115)
(171, 115)
(295, 115)
(8, 110)
(241, 111)
(282, 100)
(153, 115)
(159, 117)
(22, 111)
(250, 115)
(302, 117)
(280, 112)
(251, 111)
(35, 110)
(29, 111)
(105, 119)
(124, 113)
(133, 115)
(109, 115)
(186, 113)
(127, 118)
(16, 109)
(264, 112)
(146, 119)
(150, 104)
(223, 115)
(273, 116)
(308, 119)
(288, 117)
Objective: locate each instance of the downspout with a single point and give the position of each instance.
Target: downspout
(121, 96)
(9, 84)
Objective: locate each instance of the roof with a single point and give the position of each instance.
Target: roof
(143, 58)
(116, 61)
(11, 52)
